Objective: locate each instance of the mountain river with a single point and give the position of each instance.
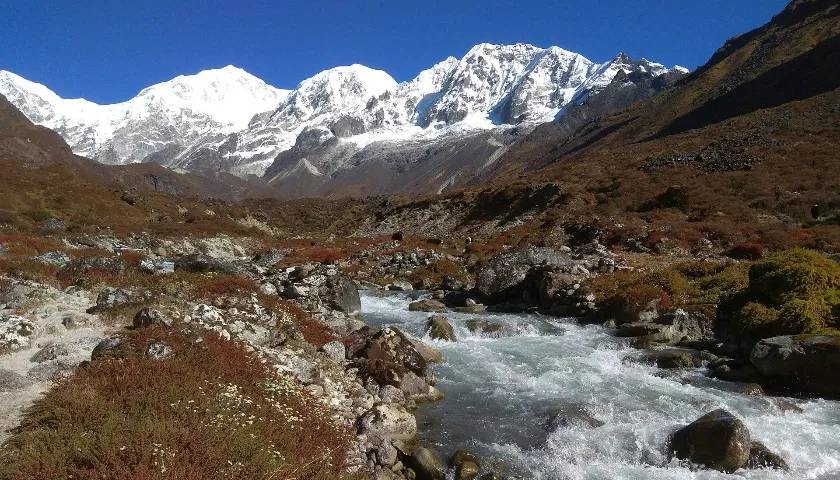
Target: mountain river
(499, 392)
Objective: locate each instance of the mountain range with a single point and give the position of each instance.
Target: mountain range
(341, 125)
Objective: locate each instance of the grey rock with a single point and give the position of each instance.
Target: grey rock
(805, 363)
(510, 269)
(270, 258)
(344, 295)
(10, 381)
(111, 297)
(149, 317)
(429, 353)
(111, 347)
(58, 259)
(388, 422)
(157, 266)
(401, 286)
(158, 350)
(50, 352)
(675, 357)
(571, 416)
(335, 350)
(485, 327)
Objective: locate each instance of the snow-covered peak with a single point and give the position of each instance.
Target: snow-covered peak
(229, 96)
(339, 87)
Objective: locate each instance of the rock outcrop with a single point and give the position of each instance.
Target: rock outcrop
(804, 363)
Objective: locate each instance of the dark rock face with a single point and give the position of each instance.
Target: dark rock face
(805, 363)
(426, 464)
(717, 440)
(762, 457)
(344, 295)
(440, 329)
(571, 416)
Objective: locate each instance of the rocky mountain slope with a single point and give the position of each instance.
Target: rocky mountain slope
(228, 120)
(743, 148)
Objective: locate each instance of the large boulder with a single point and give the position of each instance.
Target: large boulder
(389, 356)
(439, 328)
(805, 363)
(571, 416)
(388, 422)
(426, 464)
(467, 466)
(504, 272)
(427, 305)
(344, 295)
(111, 298)
(717, 440)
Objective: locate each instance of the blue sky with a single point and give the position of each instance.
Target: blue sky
(107, 51)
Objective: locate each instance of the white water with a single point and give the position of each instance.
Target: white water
(498, 392)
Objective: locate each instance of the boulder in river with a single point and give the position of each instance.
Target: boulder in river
(427, 305)
(426, 464)
(440, 329)
(805, 363)
(429, 353)
(673, 357)
(502, 273)
(466, 465)
(762, 457)
(571, 416)
(485, 327)
(717, 440)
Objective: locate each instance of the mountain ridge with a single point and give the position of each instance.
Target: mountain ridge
(229, 120)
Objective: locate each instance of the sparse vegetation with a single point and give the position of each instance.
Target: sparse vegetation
(210, 411)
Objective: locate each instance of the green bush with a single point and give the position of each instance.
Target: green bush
(793, 274)
(791, 292)
(755, 318)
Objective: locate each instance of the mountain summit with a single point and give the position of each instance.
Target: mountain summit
(227, 119)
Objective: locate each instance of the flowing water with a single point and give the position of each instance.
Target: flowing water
(499, 392)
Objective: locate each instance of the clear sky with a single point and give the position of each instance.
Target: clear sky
(107, 51)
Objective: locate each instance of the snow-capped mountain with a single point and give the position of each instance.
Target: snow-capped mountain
(185, 110)
(227, 119)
